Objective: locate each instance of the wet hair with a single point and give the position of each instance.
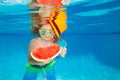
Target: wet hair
(35, 18)
(35, 29)
(34, 1)
(37, 23)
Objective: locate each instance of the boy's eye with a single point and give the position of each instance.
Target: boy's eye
(43, 32)
(51, 32)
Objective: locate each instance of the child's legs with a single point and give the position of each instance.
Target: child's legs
(49, 73)
(30, 76)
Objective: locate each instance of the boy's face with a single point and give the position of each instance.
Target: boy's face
(46, 32)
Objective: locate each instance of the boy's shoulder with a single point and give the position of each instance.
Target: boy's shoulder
(34, 40)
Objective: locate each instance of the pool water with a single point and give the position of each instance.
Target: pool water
(93, 40)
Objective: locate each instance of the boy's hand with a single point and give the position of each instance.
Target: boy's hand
(63, 52)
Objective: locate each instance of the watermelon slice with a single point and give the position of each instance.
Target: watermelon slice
(41, 54)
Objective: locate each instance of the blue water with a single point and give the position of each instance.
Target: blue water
(93, 40)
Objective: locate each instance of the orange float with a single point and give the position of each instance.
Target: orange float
(58, 22)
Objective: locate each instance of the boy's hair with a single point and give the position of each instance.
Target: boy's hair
(35, 29)
(35, 18)
(37, 23)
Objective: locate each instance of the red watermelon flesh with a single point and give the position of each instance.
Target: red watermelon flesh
(41, 54)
